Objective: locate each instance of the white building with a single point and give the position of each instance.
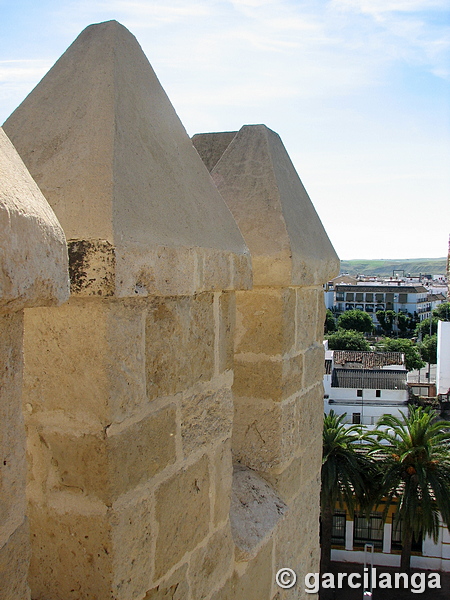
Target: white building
(443, 359)
(365, 385)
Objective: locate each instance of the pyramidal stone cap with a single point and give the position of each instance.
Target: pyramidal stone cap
(260, 185)
(103, 142)
(33, 250)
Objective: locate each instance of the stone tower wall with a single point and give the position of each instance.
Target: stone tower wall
(33, 272)
(168, 364)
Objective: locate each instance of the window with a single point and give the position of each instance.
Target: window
(338, 530)
(356, 419)
(349, 296)
(359, 393)
(377, 393)
(369, 297)
(359, 296)
(369, 308)
(403, 298)
(379, 297)
(368, 531)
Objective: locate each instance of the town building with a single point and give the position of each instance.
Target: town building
(365, 385)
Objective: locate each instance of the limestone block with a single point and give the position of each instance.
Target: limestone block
(266, 321)
(12, 430)
(274, 379)
(310, 416)
(308, 317)
(94, 553)
(265, 434)
(206, 418)
(123, 459)
(314, 365)
(293, 369)
(175, 587)
(33, 260)
(257, 378)
(258, 181)
(298, 531)
(257, 581)
(182, 513)
(223, 475)
(107, 149)
(179, 344)
(255, 511)
(86, 359)
(288, 482)
(211, 564)
(14, 562)
(227, 323)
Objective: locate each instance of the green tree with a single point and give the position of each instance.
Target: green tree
(414, 454)
(428, 349)
(423, 328)
(330, 322)
(403, 322)
(348, 340)
(356, 320)
(413, 359)
(346, 472)
(386, 319)
(442, 312)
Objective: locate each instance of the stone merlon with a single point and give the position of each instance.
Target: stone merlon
(33, 254)
(103, 142)
(258, 181)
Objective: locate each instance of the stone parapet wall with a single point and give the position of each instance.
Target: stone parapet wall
(33, 272)
(191, 341)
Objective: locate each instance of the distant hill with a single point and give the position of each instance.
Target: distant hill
(384, 268)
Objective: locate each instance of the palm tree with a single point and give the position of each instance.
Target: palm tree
(346, 471)
(414, 455)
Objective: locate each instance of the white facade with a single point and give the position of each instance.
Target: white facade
(372, 393)
(435, 557)
(443, 358)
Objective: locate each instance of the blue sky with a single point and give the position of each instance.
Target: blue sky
(359, 91)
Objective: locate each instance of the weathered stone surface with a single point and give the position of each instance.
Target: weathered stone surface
(287, 241)
(266, 434)
(33, 261)
(92, 267)
(258, 378)
(94, 554)
(12, 429)
(14, 563)
(206, 417)
(289, 481)
(179, 344)
(266, 321)
(175, 587)
(183, 514)
(211, 564)
(104, 144)
(223, 476)
(227, 323)
(307, 317)
(314, 365)
(122, 460)
(211, 146)
(86, 359)
(255, 511)
(255, 584)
